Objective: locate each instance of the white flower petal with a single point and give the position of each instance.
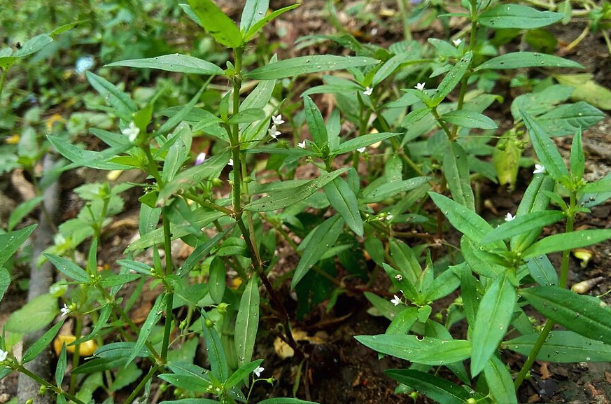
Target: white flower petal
(274, 132)
(277, 120)
(395, 300)
(258, 371)
(361, 149)
(200, 159)
(3, 355)
(509, 217)
(539, 169)
(230, 162)
(131, 132)
(65, 310)
(301, 145)
(457, 42)
(368, 91)
(420, 86)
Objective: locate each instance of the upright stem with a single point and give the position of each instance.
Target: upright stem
(549, 324)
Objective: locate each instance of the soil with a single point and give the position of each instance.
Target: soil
(339, 369)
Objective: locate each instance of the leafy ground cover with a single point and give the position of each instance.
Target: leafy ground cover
(359, 202)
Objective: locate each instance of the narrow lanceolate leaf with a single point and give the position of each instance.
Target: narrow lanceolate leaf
(254, 10)
(562, 347)
(173, 63)
(469, 119)
(247, 322)
(518, 60)
(535, 199)
(581, 314)
(344, 201)
(433, 387)
(567, 241)
(11, 241)
(522, 224)
(316, 124)
(546, 149)
(542, 270)
(217, 23)
(456, 170)
(517, 16)
(41, 343)
(242, 373)
(452, 78)
(391, 189)
(123, 105)
(68, 268)
(147, 328)
(308, 64)
(282, 199)
(215, 351)
(256, 27)
(499, 381)
(462, 218)
(428, 351)
(362, 141)
(323, 238)
(491, 322)
(5, 281)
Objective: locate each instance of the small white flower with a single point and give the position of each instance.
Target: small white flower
(83, 64)
(539, 169)
(420, 86)
(395, 300)
(274, 132)
(457, 42)
(368, 91)
(389, 217)
(131, 132)
(361, 149)
(301, 145)
(258, 371)
(277, 120)
(200, 159)
(230, 162)
(399, 277)
(65, 310)
(3, 355)
(509, 217)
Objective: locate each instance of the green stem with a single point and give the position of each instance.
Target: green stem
(42, 382)
(141, 384)
(2, 80)
(443, 125)
(77, 349)
(549, 324)
(169, 302)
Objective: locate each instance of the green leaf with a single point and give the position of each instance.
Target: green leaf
(406, 260)
(242, 373)
(147, 328)
(582, 314)
(323, 238)
(433, 387)
(567, 119)
(125, 377)
(287, 197)
(542, 270)
(491, 322)
(254, 11)
(261, 23)
(22, 211)
(427, 351)
(316, 124)
(469, 119)
(499, 381)
(121, 102)
(462, 218)
(546, 149)
(523, 224)
(597, 187)
(361, 141)
(540, 102)
(189, 383)
(562, 347)
(586, 89)
(307, 64)
(390, 189)
(11, 241)
(402, 322)
(247, 322)
(519, 60)
(41, 343)
(68, 268)
(452, 78)
(344, 201)
(173, 63)
(60, 370)
(535, 199)
(517, 17)
(191, 177)
(217, 280)
(578, 158)
(5, 281)
(456, 171)
(566, 241)
(285, 400)
(81, 157)
(33, 45)
(215, 351)
(34, 316)
(217, 23)
(249, 115)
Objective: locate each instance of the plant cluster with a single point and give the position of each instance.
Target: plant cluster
(419, 143)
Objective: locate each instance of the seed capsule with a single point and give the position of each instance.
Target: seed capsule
(585, 286)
